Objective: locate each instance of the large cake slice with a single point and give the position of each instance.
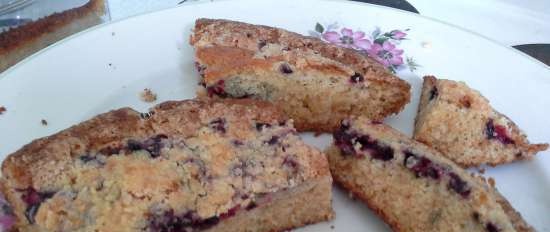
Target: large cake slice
(317, 84)
(413, 187)
(184, 166)
(460, 122)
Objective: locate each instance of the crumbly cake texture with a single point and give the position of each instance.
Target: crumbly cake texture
(316, 83)
(20, 42)
(411, 186)
(234, 165)
(460, 123)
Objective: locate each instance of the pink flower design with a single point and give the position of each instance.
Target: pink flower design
(397, 34)
(386, 54)
(348, 39)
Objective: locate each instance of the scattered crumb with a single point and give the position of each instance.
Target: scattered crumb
(492, 182)
(332, 227)
(113, 33)
(110, 64)
(148, 96)
(2, 110)
(44, 122)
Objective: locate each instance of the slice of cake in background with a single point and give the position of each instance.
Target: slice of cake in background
(235, 165)
(411, 186)
(460, 122)
(20, 42)
(316, 83)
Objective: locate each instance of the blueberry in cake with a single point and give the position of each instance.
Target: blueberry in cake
(411, 186)
(235, 165)
(460, 123)
(317, 84)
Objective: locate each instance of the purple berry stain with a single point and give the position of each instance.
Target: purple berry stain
(218, 125)
(33, 199)
(422, 166)
(497, 132)
(356, 78)
(433, 93)
(217, 89)
(285, 69)
(189, 221)
(458, 185)
(490, 227)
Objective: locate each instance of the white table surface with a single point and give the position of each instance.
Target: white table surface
(509, 22)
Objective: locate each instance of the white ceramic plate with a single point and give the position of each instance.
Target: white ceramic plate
(106, 67)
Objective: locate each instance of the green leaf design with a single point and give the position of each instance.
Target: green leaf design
(319, 28)
(381, 40)
(412, 64)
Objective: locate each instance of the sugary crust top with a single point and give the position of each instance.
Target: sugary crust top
(219, 32)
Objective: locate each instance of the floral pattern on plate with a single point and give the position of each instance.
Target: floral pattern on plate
(381, 46)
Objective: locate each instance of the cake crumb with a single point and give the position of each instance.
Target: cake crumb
(492, 182)
(2, 110)
(332, 227)
(148, 96)
(481, 170)
(44, 122)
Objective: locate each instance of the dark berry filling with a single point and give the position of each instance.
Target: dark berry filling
(153, 145)
(356, 78)
(433, 93)
(87, 158)
(189, 221)
(237, 143)
(421, 166)
(217, 89)
(458, 185)
(109, 150)
(490, 227)
(231, 212)
(274, 140)
(218, 125)
(497, 132)
(33, 199)
(285, 69)
(251, 205)
(200, 69)
(376, 150)
(346, 140)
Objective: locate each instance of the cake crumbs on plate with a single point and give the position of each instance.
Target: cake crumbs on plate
(2, 110)
(492, 182)
(44, 122)
(148, 96)
(332, 227)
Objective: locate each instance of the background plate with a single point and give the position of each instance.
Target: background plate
(106, 68)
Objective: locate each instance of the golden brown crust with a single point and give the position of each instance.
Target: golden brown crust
(20, 36)
(407, 200)
(252, 58)
(247, 35)
(52, 163)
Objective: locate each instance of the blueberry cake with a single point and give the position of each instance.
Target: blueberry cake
(316, 83)
(235, 165)
(460, 123)
(19, 42)
(411, 186)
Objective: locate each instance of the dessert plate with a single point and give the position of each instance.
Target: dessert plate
(107, 67)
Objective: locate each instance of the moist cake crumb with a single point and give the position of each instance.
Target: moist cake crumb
(2, 110)
(44, 122)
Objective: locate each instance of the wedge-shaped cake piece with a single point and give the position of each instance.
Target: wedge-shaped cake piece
(184, 166)
(316, 83)
(460, 122)
(411, 186)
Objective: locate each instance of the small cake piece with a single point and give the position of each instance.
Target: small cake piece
(18, 43)
(460, 123)
(235, 165)
(411, 186)
(316, 83)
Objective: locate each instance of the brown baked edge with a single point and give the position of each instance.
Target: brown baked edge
(370, 68)
(19, 36)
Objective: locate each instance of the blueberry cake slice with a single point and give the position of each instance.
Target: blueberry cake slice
(317, 84)
(411, 186)
(460, 123)
(235, 165)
